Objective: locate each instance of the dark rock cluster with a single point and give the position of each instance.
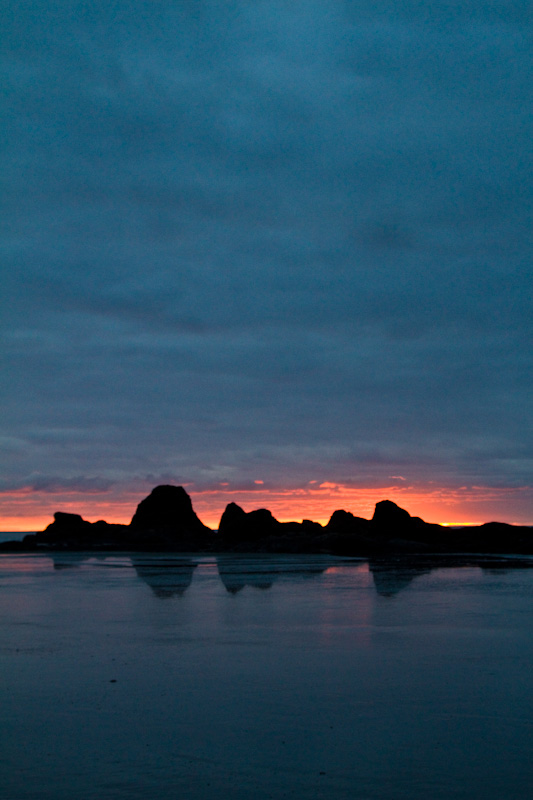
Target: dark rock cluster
(166, 521)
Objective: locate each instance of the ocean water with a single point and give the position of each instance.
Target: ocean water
(16, 536)
(263, 677)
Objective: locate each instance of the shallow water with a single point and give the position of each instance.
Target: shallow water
(263, 677)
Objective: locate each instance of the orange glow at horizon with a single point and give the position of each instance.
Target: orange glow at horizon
(26, 510)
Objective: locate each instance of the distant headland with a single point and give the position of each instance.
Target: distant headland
(165, 521)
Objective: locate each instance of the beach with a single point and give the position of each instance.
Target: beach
(263, 676)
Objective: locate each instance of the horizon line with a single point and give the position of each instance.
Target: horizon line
(26, 509)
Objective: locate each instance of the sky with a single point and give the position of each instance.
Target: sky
(278, 253)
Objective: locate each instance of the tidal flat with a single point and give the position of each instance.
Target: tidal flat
(261, 676)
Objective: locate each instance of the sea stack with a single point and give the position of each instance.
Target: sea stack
(167, 508)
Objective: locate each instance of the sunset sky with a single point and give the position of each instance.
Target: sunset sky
(276, 252)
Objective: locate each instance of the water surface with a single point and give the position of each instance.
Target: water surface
(263, 677)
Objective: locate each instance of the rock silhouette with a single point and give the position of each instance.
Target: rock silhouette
(345, 522)
(168, 508)
(165, 521)
(71, 531)
(238, 526)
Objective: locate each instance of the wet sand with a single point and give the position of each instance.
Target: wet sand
(263, 677)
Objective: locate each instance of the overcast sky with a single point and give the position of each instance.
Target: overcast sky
(277, 241)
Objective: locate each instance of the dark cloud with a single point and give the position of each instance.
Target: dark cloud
(55, 485)
(293, 235)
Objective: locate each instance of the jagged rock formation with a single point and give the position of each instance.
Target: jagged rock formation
(166, 521)
(345, 522)
(71, 531)
(260, 531)
(67, 524)
(238, 526)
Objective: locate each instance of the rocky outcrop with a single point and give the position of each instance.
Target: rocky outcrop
(233, 518)
(166, 521)
(238, 526)
(65, 525)
(345, 522)
(492, 537)
(72, 531)
(167, 508)
(388, 515)
(260, 531)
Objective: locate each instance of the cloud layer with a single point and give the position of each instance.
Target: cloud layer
(277, 241)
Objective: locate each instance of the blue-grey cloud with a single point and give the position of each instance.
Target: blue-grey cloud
(290, 235)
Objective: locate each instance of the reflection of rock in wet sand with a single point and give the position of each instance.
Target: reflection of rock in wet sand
(390, 578)
(68, 560)
(393, 575)
(261, 573)
(166, 577)
(236, 576)
(495, 570)
(171, 576)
